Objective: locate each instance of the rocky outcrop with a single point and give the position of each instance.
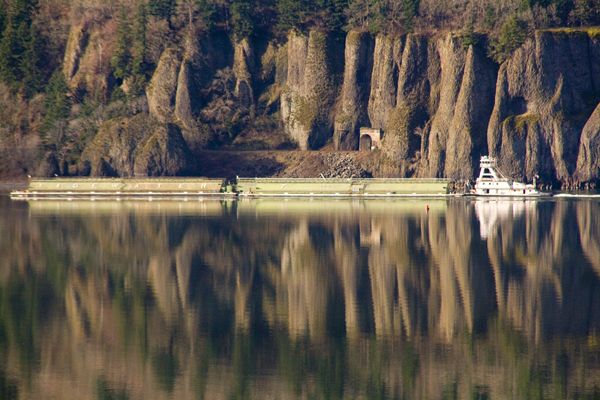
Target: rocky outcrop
(243, 63)
(384, 79)
(588, 161)
(452, 62)
(272, 76)
(544, 94)
(309, 96)
(184, 112)
(76, 44)
(162, 90)
(136, 146)
(467, 133)
(164, 153)
(400, 141)
(111, 152)
(86, 63)
(205, 69)
(352, 112)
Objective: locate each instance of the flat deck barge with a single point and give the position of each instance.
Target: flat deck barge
(190, 188)
(122, 188)
(340, 187)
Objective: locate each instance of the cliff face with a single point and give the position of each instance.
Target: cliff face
(440, 103)
(471, 113)
(544, 95)
(412, 95)
(352, 112)
(86, 63)
(309, 94)
(588, 161)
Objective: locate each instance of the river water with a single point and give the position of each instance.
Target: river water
(284, 299)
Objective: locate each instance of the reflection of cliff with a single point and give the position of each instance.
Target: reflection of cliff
(588, 218)
(163, 306)
(541, 280)
(394, 276)
(302, 284)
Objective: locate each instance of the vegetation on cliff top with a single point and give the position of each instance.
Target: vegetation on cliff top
(32, 32)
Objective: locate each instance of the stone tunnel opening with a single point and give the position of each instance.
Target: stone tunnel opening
(366, 143)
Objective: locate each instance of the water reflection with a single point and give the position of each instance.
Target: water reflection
(300, 299)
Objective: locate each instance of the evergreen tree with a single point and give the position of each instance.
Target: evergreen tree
(207, 12)
(334, 17)
(164, 9)
(21, 50)
(57, 103)
(20, 11)
(290, 14)
(139, 66)
(129, 60)
(2, 16)
(361, 14)
(512, 35)
(122, 58)
(11, 48)
(325, 14)
(31, 63)
(563, 9)
(241, 18)
(586, 12)
(489, 18)
(14, 37)
(410, 9)
(57, 99)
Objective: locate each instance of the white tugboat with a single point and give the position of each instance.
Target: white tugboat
(491, 182)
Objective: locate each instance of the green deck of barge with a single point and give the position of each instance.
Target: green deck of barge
(120, 187)
(340, 187)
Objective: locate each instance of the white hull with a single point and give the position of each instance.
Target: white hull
(492, 183)
(518, 195)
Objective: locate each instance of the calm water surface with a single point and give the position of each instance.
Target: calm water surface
(300, 299)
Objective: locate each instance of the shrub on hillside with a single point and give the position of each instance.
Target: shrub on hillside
(511, 36)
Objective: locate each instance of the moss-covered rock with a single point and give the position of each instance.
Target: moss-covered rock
(162, 90)
(138, 145)
(164, 153)
(308, 99)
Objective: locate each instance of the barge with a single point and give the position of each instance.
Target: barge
(122, 188)
(190, 188)
(341, 187)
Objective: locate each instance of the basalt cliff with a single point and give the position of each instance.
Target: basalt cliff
(440, 103)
